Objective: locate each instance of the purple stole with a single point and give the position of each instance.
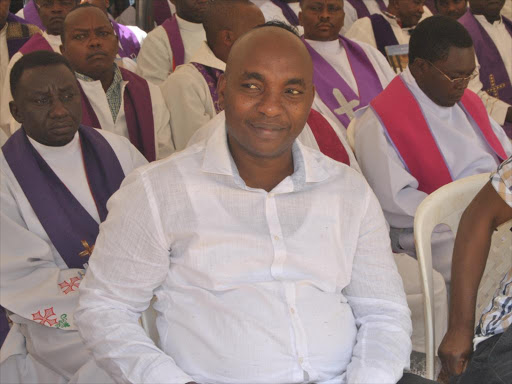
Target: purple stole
(384, 35)
(129, 45)
(288, 12)
(31, 15)
(412, 138)
(431, 5)
(161, 11)
(14, 44)
(211, 76)
(175, 41)
(138, 112)
(493, 74)
(326, 78)
(36, 43)
(361, 9)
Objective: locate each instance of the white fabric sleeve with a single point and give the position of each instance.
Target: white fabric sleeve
(362, 31)
(187, 96)
(376, 296)
(163, 137)
(154, 62)
(131, 247)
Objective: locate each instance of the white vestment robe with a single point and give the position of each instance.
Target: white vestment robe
(351, 13)
(154, 62)
(164, 144)
(335, 54)
(273, 12)
(31, 268)
(507, 9)
(7, 122)
(462, 146)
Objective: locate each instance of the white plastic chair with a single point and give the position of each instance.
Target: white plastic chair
(444, 206)
(148, 322)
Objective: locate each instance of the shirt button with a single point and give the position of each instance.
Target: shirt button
(276, 238)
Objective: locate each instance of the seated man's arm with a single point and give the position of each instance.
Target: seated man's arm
(377, 299)
(485, 213)
(154, 61)
(131, 259)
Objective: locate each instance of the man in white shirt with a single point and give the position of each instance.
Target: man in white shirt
(56, 178)
(270, 262)
(114, 98)
(174, 42)
(391, 27)
(347, 74)
(425, 130)
(191, 91)
(492, 36)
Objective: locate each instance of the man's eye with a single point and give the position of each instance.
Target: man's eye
(42, 101)
(80, 36)
(67, 97)
(103, 33)
(249, 86)
(293, 92)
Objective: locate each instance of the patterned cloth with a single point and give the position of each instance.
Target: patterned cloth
(497, 316)
(113, 93)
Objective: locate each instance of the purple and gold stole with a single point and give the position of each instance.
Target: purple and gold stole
(288, 12)
(362, 10)
(493, 73)
(20, 37)
(175, 41)
(129, 45)
(329, 84)
(138, 112)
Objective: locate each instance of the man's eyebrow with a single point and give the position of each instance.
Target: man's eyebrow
(296, 81)
(253, 75)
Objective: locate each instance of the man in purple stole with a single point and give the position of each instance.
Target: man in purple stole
(347, 74)
(492, 36)
(357, 9)
(56, 178)
(425, 130)
(174, 42)
(114, 98)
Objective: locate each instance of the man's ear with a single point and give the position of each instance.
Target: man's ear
(221, 88)
(15, 112)
(62, 49)
(419, 66)
(227, 37)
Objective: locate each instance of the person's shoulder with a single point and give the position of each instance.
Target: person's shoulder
(154, 35)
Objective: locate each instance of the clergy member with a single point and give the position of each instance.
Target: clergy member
(492, 36)
(114, 98)
(286, 11)
(14, 32)
(270, 261)
(130, 37)
(191, 91)
(357, 9)
(347, 74)
(174, 42)
(56, 178)
(451, 8)
(392, 27)
(426, 130)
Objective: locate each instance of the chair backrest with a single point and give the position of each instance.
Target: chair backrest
(444, 206)
(148, 322)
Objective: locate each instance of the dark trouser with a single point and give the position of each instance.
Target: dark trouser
(409, 378)
(491, 363)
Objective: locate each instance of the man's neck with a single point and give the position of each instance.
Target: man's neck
(219, 52)
(490, 18)
(106, 78)
(186, 18)
(262, 173)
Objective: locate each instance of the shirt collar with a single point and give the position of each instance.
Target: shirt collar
(188, 25)
(482, 20)
(204, 55)
(118, 77)
(218, 159)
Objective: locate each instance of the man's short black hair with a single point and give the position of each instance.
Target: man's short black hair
(280, 24)
(79, 6)
(34, 60)
(434, 36)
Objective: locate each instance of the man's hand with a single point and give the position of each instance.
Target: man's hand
(455, 351)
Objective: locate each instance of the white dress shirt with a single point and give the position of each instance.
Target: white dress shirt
(154, 62)
(295, 285)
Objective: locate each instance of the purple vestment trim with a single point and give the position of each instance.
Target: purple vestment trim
(362, 10)
(12, 18)
(384, 35)
(14, 44)
(288, 12)
(64, 219)
(211, 76)
(138, 112)
(326, 78)
(36, 43)
(175, 41)
(31, 15)
(161, 11)
(129, 45)
(493, 73)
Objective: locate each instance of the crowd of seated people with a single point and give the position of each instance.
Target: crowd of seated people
(251, 171)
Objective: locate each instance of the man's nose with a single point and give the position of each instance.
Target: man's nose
(271, 104)
(58, 109)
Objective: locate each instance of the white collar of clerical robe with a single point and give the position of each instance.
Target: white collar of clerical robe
(62, 152)
(326, 47)
(188, 26)
(204, 55)
(482, 20)
(218, 160)
(53, 40)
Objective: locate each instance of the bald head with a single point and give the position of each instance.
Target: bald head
(226, 20)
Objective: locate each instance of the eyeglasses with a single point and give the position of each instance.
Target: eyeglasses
(458, 80)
